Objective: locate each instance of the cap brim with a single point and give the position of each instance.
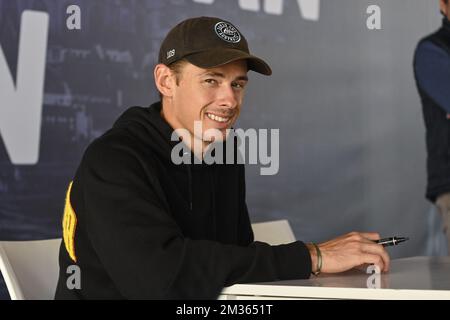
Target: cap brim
(218, 57)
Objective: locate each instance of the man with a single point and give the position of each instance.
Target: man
(432, 70)
(139, 226)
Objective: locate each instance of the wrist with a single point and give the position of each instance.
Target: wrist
(443, 202)
(316, 258)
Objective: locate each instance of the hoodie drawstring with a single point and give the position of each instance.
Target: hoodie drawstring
(213, 199)
(189, 185)
(213, 207)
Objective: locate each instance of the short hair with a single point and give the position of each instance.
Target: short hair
(176, 68)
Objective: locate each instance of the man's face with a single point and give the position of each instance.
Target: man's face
(212, 96)
(445, 7)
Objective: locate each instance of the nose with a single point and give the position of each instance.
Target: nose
(228, 97)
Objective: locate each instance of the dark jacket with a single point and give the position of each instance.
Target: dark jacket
(432, 71)
(149, 229)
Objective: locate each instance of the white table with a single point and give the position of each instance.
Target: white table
(408, 278)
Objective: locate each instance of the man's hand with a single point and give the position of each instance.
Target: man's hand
(443, 204)
(351, 250)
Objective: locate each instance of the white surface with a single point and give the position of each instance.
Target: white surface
(30, 268)
(273, 232)
(409, 278)
(15, 292)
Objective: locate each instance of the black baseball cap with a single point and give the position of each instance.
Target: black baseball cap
(208, 42)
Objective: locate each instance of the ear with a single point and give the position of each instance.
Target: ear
(444, 7)
(164, 79)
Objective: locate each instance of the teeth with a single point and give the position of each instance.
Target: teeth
(217, 118)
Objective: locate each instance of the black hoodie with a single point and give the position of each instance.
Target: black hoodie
(149, 229)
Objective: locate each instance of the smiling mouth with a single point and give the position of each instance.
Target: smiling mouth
(217, 118)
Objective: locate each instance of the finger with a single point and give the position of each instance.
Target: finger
(370, 235)
(373, 259)
(376, 249)
(362, 267)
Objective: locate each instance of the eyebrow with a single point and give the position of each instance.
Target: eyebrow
(221, 75)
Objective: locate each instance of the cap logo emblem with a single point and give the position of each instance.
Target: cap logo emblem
(227, 32)
(170, 53)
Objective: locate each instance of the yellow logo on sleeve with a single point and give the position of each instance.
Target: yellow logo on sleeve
(69, 225)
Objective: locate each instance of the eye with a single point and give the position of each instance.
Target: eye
(211, 81)
(238, 85)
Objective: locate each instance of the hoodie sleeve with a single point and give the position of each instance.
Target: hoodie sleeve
(144, 251)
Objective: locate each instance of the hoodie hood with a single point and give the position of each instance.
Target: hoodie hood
(148, 126)
(446, 25)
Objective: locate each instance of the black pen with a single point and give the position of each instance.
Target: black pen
(392, 241)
